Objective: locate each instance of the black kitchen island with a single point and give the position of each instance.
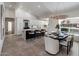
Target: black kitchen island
(33, 33)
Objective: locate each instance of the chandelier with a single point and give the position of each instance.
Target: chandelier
(60, 17)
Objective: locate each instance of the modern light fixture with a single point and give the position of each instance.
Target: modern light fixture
(73, 18)
(59, 16)
(38, 6)
(10, 5)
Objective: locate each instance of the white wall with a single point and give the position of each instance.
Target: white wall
(21, 15)
(9, 13)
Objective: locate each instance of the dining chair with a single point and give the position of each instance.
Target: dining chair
(68, 43)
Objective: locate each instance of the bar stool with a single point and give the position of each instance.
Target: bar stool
(67, 43)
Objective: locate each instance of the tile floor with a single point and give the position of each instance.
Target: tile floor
(17, 46)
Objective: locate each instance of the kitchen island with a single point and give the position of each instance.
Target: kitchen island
(33, 33)
(52, 42)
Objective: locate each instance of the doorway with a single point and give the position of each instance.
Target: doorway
(9, 25)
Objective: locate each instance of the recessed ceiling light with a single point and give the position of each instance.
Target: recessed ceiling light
(10, 5)
(38, 6)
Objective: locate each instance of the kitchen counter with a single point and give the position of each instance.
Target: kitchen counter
(32, 33)
(57, 36)
(52, 42)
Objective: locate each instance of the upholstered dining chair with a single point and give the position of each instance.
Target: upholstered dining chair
(68, 42)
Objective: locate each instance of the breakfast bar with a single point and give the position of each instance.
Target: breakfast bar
(54, 41)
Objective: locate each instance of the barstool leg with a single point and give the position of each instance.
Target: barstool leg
(67, 50)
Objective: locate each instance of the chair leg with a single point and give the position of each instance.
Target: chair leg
(60, 47)
(67, 50)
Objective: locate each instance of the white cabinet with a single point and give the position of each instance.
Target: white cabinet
(72, 27)
(51, 45)
(76, 38)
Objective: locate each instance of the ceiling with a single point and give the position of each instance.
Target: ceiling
(43, 9)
